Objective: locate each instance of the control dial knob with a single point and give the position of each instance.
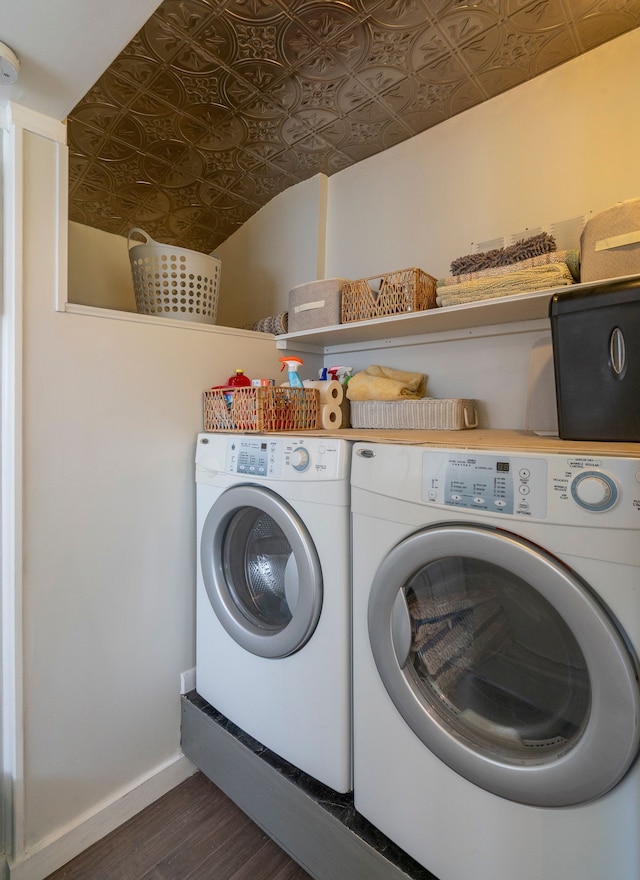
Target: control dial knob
(300, 459)
(594, 490)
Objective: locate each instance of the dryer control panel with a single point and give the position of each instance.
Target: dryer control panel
(286, 458)
(506, 484)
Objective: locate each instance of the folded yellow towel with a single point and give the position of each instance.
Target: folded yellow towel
(385, 383)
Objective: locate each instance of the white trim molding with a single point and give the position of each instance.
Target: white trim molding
(11, 493)
(69, 841)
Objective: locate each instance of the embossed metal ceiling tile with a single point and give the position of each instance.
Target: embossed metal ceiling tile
(432, 51)
(212, 127)
(145, 202)
(372, 110)
(460, 26)
(324, 42)
(172, 164)
(100, 132)
(163, 97)
(593, 30)
(582, 8)
(522, 50)
(397, 97)
(137, 69)
(479, 51)
(345, 95)
(540, 16)
(214, 41)
(559, 48)
(186, 16)
(496, 80)
(301, 125)
(409, 13)
(462, 97)
(183, 219)
(256, 10)
(93, 185)
(252, 81)
(83, 139)
(439, 8)
(214, 190)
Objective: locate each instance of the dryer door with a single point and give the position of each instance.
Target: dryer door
(261, 571)
(505, 665)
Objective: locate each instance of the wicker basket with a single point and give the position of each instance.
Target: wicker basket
(261, 409)
(174, 282)
(408, 290)
(427, 413)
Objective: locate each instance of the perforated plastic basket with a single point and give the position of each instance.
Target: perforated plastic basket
(174, 282)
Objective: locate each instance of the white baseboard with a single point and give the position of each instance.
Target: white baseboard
(187, 680)
(69, 841)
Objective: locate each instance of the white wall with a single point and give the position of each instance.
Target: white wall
(559, 146)
(99, 269)
(276, 249)
(111, 410)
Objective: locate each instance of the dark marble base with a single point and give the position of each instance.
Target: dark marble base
(337, 809)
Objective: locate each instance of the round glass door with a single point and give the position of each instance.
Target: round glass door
(261, 571)
(505, 665)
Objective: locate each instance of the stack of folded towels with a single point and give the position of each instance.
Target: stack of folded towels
(529, 265)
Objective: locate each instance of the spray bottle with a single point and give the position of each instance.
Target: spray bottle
(340, 374)
(292, 364)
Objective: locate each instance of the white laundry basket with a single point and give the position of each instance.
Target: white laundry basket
(174, 282)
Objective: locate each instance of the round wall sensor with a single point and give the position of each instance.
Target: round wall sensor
(9, 66)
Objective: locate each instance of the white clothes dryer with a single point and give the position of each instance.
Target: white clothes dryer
(496, 603)
(273, 603)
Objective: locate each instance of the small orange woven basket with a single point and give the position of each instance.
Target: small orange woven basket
(261, 409)
(408, 290)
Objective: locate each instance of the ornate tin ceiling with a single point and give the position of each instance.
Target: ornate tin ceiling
(216, 106)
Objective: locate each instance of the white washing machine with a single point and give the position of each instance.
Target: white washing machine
(273, 605)
(496, 632)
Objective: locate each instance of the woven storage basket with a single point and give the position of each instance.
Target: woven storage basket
(427, 413)
(174, 282)
(408, 290)
(261, 409)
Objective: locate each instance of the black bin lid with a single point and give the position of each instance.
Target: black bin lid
(605, 295)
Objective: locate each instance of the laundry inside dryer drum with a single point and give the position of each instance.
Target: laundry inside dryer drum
(496, 660)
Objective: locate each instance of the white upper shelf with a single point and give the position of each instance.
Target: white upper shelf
(484, 313)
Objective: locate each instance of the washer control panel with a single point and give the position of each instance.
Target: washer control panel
(279, 458)
(567, 489)
(495, 483)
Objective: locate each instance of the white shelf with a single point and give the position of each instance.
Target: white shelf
(484, 313)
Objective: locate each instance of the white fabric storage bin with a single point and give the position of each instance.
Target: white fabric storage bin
(610, 243)
(315, 304)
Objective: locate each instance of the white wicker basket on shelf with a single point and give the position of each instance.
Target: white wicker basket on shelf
(427, 413)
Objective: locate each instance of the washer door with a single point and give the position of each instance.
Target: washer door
(505, 665)
(261, 571)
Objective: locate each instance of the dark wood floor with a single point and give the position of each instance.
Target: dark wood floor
(192, 833)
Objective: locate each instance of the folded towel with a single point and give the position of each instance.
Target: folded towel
(542, 243)
(451, 633)
(526, 281)
(275, 324)
(385, 383)
(570, 257)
